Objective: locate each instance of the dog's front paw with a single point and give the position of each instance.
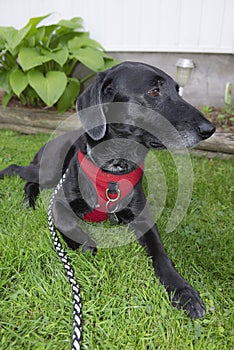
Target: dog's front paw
(188, 299)
(92, 248)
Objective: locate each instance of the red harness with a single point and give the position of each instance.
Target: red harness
(110, 188)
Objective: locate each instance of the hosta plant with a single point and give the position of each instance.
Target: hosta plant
(37, 62)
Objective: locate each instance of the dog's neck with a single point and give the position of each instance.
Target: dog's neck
(114, 160)
(113, 166)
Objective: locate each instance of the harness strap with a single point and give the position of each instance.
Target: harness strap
(110, 188)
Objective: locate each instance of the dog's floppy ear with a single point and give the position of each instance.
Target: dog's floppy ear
(90, 108)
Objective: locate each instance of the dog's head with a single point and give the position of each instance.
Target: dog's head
(143, 98)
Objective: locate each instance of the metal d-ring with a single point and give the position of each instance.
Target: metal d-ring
(112, 199)
(111, 211)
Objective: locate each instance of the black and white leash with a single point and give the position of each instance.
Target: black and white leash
(77, 317)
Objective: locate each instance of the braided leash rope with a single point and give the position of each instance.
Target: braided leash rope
(77, 317)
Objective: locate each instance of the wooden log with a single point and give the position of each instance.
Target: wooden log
(23, 129)
(36, 119)
(218, 142)
(27, 120)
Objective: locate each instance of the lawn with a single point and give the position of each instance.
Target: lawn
(124, 305)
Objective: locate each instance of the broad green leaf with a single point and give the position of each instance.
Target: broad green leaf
(64, 37)
(50, 87)
(8, 61)
(50, 29)
(82, 34)
(6, 98)
(37, 38)
(30, 57)
(90, 57)
(61, 39)
(105, 55)
(18, 81)
(74, 23)
(40, 34)
(31, 41)
(60, 55)
(4, 81)
(70, 94)
(33, 22)
(35, 33)
(110, 62)
(49, 35)
(13, 37)
(76, 43)
(2, 43)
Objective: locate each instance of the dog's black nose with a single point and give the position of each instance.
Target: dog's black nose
(206, 129)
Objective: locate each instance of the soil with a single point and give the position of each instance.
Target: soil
(222, 118)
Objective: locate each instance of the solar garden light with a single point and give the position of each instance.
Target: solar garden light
(184, 67)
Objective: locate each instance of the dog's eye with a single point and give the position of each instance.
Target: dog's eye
(108, 87)
(154, 92)
(108, 90)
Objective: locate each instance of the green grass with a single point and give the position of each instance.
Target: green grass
(124, 305)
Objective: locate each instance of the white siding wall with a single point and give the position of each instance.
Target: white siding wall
(139, 25)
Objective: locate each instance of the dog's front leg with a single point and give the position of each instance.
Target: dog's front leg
(67, 223)
(182, 294)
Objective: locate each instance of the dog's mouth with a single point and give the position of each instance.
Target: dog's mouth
(182, 141)
(175, 140)
(156, 145)
(171, 138)
(169, 143)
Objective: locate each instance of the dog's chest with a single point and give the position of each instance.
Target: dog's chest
(110, 189)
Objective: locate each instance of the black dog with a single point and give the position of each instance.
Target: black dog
(133, 107)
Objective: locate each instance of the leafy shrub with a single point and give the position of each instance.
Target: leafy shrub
(37, 62)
